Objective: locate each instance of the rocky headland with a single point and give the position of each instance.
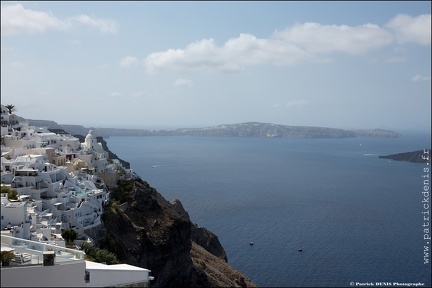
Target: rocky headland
(419, 156)
(148, 231)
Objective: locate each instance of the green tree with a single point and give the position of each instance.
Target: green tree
(11, 108)
(69, 235)
(12, 193)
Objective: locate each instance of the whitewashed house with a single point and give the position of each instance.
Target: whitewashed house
(20, 138)
(14, 214)
(43, 265)
(4, 114)
(93, 154)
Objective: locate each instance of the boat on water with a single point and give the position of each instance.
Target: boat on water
(300, 250)
(251, 243)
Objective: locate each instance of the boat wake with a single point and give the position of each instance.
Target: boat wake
(169, 165)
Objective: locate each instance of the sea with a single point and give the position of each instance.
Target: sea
(320, 212)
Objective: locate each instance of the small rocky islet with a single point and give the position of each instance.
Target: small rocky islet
(418, 156)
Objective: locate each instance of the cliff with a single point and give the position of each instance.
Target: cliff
(150, 232)
(254, 129)
(418, 156)
(375, 133)
(247, 129)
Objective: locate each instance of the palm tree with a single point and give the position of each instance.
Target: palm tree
(11, 108)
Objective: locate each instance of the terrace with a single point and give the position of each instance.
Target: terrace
(29, 252)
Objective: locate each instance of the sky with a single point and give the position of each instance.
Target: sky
(166, 65)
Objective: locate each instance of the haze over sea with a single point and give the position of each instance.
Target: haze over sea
(357, 218)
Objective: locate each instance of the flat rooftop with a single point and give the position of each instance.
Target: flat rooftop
(29, 252)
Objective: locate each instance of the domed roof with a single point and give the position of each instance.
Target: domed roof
(90, 135)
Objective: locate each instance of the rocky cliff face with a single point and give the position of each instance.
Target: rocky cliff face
(153, 233)
(376, 133)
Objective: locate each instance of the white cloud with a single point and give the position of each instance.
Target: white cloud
(396, 59)
(235, 55)
(17, 65)
(104, 26)
(138, 94)
(308, 41)
(7, 48)
(129, 61)
(420, 78)
(75, 42)
(183, 82)
(411, 29)
(15, 19)
(114, 94)
(317, 38)
(105, 65)
(292, 103)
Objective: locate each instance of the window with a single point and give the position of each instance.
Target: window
(87, 277)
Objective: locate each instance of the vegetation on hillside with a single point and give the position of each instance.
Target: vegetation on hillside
(121, 193)
(98, 254)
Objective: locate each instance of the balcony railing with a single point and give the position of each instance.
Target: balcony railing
(34, 247)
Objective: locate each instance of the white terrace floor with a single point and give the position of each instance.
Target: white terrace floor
(31, 252)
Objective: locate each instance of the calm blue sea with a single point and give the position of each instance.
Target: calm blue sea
(357, 218)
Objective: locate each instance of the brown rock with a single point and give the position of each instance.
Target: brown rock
(158, 235)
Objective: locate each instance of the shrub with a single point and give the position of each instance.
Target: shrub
(122, 192)
(12, 193)
(69, 235)
(99, 255)
(7, 256)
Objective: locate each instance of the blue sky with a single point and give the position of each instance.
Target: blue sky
(195, 64)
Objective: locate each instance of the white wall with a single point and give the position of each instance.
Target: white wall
(106, 278)
(14, 214)
(70, 274)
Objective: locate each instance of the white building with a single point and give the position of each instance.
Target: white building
(7, 120)
(74, 201)
(15, 214)
(93, 154)
(42, 265)
(101, 275)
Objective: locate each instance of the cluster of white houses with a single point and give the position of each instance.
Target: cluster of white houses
(61, 183)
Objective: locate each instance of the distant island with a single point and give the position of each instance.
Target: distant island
(419, 156)
(247, 129)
